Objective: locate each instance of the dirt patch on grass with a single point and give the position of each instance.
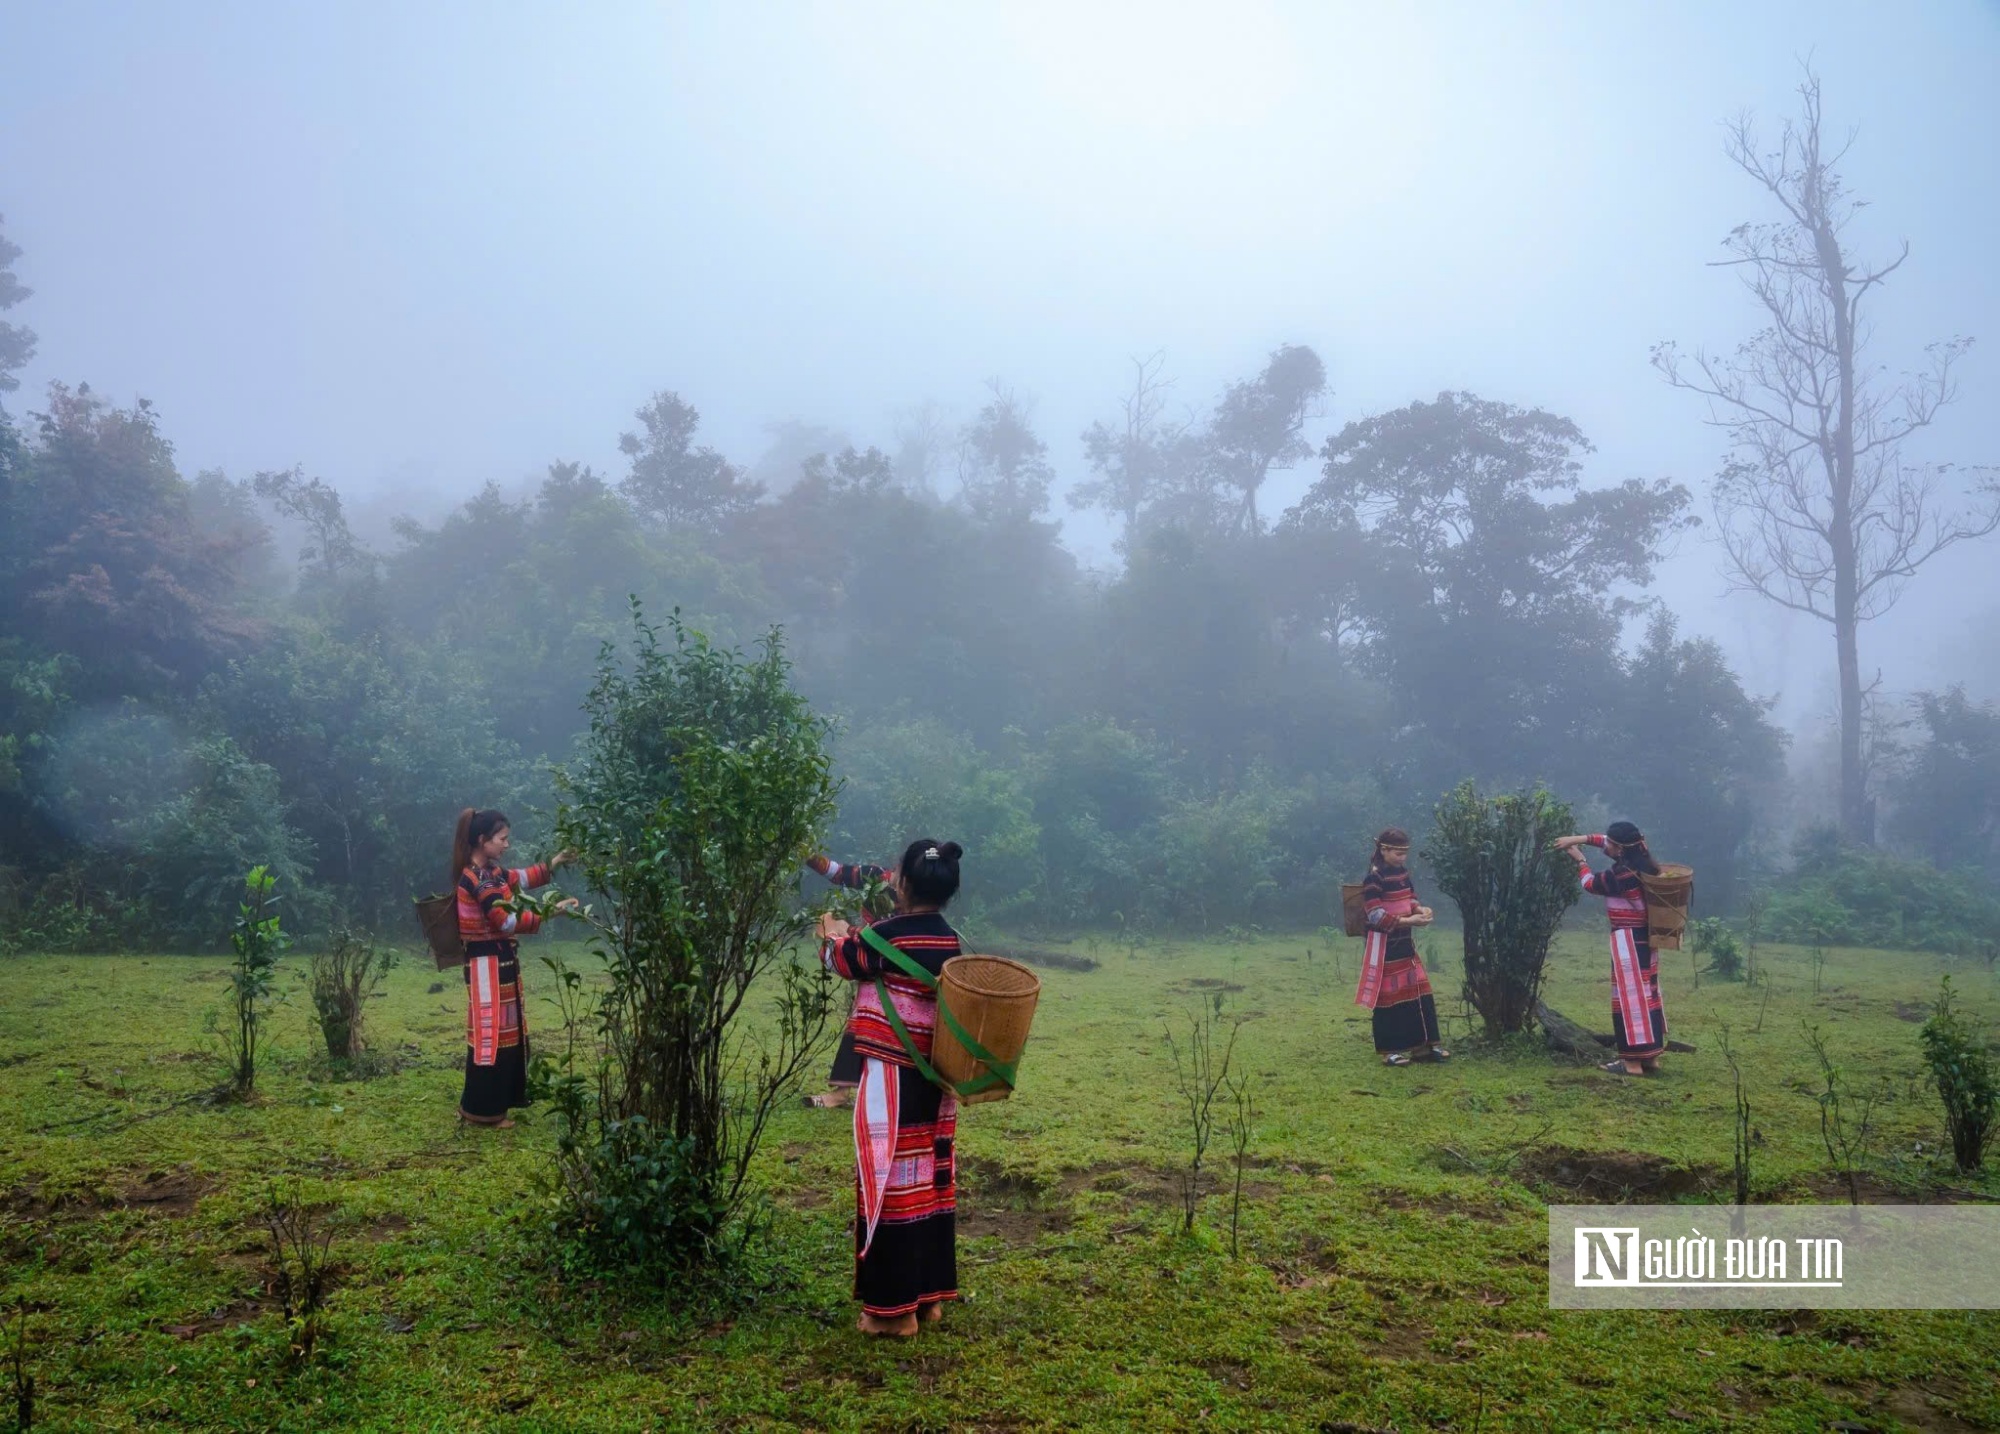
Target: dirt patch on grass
(383, 1228)
(1919, 1408)
(166, 1192)
(1613, 1176)
(1913, 1011)
(1830, 1188)
(173, 1193)
(1400, 1342)
(1390, 1198)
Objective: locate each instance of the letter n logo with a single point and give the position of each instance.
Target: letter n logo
(1606, 1256)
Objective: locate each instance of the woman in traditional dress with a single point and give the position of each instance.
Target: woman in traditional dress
(846, 1073)
(906, 1174)
(496, 1042)
(1638, 1020)
(1394, 984)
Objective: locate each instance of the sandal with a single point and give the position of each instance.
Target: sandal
(1400, 1058)
(1617, 1068)
(1438, 1055)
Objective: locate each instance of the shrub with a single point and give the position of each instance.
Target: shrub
(342, 976)
(1955, 1050)
(1838, 895)
(703, 786)
(1714, 939)
(1494, 857)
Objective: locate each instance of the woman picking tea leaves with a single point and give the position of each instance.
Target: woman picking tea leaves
(1638, 1020)
(490, 917)
(906, 1170)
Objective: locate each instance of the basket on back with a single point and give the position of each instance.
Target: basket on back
(438, 915)
(1353, 910)
(1668, 894)
(991, 1000)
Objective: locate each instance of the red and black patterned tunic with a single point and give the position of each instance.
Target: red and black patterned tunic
(1638, 1019)
(496, 1039)
(906, 1172)
(1394, 983)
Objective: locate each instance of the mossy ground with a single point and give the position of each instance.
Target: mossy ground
(1393, 1240)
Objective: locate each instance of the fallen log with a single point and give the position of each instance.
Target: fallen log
(1565, 1035)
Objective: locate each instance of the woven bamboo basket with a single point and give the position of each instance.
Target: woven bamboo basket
(1668, 896)
(994, 999)
(438, 915)
(1353, 910)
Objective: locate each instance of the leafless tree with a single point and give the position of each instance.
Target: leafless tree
(1818, 510)
(1131, 457)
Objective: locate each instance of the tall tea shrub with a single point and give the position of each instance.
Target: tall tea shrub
(1955, 1049)
(703, 785)
(1493, 857)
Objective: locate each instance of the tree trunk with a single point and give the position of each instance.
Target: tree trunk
(1854, 823)
(1563, 1034)
(1842, 540)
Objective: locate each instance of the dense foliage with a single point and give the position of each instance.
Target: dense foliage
(703, 786)
(1962, 1068)
(1495, 857)
(1839, 895)
(198, 675)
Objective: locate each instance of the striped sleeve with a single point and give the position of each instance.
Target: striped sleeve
(852, 959)
(495, 887)
(1372, 899)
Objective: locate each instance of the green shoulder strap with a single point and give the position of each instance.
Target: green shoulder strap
(997, 1070)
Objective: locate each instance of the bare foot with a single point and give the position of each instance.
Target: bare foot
(932, 1313)
(902, 1327)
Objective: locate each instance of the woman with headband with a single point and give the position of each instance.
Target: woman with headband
(1394, 984)
(1638, 1020)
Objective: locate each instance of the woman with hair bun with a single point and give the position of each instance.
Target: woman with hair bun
(1394, 984)
(1638, 1020)
(906, 1170)
(496, 1041)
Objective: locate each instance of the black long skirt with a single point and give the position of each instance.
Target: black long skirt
(914, 1259)
(491, 1091)
(846, 1062)
(1406, 1026)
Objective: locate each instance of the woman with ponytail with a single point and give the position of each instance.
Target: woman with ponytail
(906, 1169)
(496, 1042)
(1638, 1020)
(1394, 984)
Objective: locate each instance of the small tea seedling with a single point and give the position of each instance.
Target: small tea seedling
(1201, 1071)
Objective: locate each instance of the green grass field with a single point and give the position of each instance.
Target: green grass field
(1392, 1270)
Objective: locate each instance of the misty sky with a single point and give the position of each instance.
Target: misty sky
(418, 251)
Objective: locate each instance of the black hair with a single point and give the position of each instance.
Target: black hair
(929, 872)
(1388, 836)
(1635, 852)
(474, 827)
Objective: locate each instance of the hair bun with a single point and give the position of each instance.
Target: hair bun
(951, 851)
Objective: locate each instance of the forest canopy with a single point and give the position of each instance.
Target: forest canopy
(1205, 736)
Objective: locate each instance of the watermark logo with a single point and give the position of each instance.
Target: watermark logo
(1774, 1257)
(1624, 1256)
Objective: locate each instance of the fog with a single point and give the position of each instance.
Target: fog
(425, 255)
(415, 252)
